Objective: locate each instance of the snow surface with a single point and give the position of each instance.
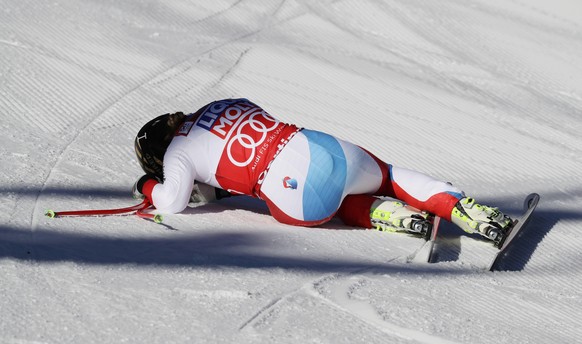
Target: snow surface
(484, 93)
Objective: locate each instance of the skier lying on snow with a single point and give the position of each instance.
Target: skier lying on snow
(305, 177)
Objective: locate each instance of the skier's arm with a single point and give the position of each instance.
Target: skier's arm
(173, 194)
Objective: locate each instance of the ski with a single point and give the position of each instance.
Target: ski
(530, 204)
(138, 209)
(432, 239)
(425, 254)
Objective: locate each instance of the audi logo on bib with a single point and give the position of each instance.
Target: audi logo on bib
(245, 126)
(252, 138)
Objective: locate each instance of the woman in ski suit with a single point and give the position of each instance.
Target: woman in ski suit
(305, 177)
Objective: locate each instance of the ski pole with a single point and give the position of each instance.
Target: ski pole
(157, 218)
(138, 209)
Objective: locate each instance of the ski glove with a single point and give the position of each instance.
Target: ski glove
(146, 182)
(201, 193)
(204, 193)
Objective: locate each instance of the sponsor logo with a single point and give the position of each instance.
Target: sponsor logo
(220, 117)
(249, 136)
(248, 129)
(290, 183)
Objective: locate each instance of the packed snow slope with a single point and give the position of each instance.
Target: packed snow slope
(486, 94)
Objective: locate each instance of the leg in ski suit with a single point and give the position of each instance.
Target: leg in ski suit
(317, 176)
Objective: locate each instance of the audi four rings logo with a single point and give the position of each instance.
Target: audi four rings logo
(252, 127)
(257, 123)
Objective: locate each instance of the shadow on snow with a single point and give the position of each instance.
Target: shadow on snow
(520, 253)
(208, 250)
(232, 249)
(60, 191)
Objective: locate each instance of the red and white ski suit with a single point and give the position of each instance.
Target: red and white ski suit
(305, 177)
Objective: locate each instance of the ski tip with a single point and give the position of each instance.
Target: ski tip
(531, 200)
(158, 218)
(50, 213)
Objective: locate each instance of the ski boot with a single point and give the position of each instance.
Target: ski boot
(476, 218)
(393, 216)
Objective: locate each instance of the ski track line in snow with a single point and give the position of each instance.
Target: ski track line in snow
(34, 220)
(537, 313)
(268, 23)
(310, 286)
(538, 88)
(265, 311)
(459, 88)
(518, 306)
(148, 79)
(367, 313)
(63, 150)
(451, 86)
(370, 39)
(268, 309)
(52, 288)
(340, 300)
(531, 82)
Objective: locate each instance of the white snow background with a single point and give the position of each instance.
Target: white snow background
(486, 94)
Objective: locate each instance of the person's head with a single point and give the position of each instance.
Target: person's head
(152, 141)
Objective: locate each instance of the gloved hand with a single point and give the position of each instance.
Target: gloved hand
(135, 193)
(201, 194)
(137, 189)
(204, 193)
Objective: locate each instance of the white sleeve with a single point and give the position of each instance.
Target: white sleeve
(173, 195)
